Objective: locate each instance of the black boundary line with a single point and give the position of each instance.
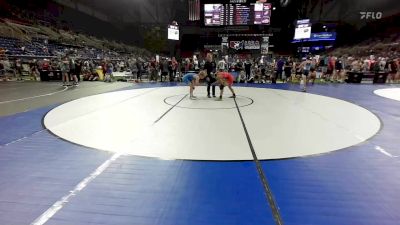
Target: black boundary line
(264, 181)
(170, 109)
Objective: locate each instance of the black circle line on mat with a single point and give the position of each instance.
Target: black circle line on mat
(222, 161)
(251, 102)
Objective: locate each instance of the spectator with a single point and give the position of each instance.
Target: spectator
(393, 71)
(64, 67)
(222, 65)
(279, 68)
(72, 71)
(153, 70)
(78, 69)
(108, 75)
(164, 68)
(139, 70)
(170, 70)
(288, 69)
(247, 68)
(175, 66)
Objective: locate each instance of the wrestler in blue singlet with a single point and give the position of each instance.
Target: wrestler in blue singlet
(189, 77)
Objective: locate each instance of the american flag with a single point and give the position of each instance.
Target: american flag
(194, 10)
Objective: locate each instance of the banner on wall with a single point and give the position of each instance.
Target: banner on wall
(224, 45)
(264, 45)
(322, 36)
(245, 45)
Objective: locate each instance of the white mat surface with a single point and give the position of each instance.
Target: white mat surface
(281, 124)
(392, 93)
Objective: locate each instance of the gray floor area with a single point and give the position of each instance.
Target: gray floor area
(18, 97)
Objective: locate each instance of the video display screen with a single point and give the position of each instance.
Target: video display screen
(303, 30)
(173, 32)
(212, 14)
(302, 33)
(237, 14)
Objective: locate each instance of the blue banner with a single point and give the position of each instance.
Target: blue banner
(323, 36)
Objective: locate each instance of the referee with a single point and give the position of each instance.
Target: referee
(210, 66)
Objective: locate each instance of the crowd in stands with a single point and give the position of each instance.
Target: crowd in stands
(32, 41)
(329, 68)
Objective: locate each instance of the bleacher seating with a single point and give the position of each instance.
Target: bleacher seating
(39, 48)
(21, 27)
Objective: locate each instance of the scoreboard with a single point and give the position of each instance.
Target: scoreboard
(237, 14)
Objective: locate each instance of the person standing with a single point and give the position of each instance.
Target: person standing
(187, 65)
(288, 69)
(209, 66)
(279, 70)
(331, 68)
(153, 70)
(108, 74)
(306, 67)
(397, 75)
(64, 67)
(78, 70)
(174, 65)
(338, 70)
(313, 70)
(72, 71)
(164, 69)
(222, 66)
(139, 70)
(170, 70)
(195, 63)
(247, 68)
(18, 69)
(393, 70)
